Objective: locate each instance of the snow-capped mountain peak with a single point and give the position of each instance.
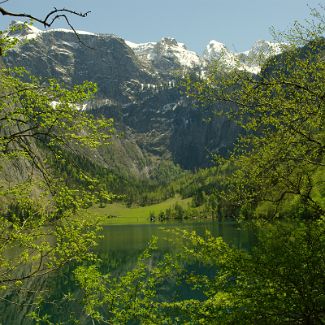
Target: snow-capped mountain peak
(250, 60)
(141, 47)
(268, 48)
(169, 41)
(218, 51)
(25, 31)
(65, 30)
(166, 54)
(215, 47)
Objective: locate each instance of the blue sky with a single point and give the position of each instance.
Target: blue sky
(237, 23)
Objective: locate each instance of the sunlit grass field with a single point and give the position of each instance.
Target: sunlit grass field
(118, 213)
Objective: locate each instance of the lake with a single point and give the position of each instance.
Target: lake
(127, 239)
(119, 248)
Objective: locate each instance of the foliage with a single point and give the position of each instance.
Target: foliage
(282, 112)
(39, 226)
(131, 296)
(280, 280)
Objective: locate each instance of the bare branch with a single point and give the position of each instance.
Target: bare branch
(72, 28)
(50, 18)
(52, 15)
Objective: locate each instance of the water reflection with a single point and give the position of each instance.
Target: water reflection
(119, 249)
(130, 238)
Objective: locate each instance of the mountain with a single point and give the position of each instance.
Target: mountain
(138, 87)
(218, 51)
(166, 55)
(250, 60)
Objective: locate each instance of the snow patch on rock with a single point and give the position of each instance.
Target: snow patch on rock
(166, 48)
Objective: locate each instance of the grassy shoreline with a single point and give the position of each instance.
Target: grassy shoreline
(117, 213)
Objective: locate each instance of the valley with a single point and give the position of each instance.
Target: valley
(145, 183)
(160, 133)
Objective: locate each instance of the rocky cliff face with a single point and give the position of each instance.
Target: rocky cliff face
(137, 87)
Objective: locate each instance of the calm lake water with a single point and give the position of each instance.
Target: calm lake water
(122, 244)
(119, 249)
(131, 238)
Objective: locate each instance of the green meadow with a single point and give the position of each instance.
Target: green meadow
(119, 213)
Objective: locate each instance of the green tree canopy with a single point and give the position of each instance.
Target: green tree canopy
(40, 227)
(280, 156)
